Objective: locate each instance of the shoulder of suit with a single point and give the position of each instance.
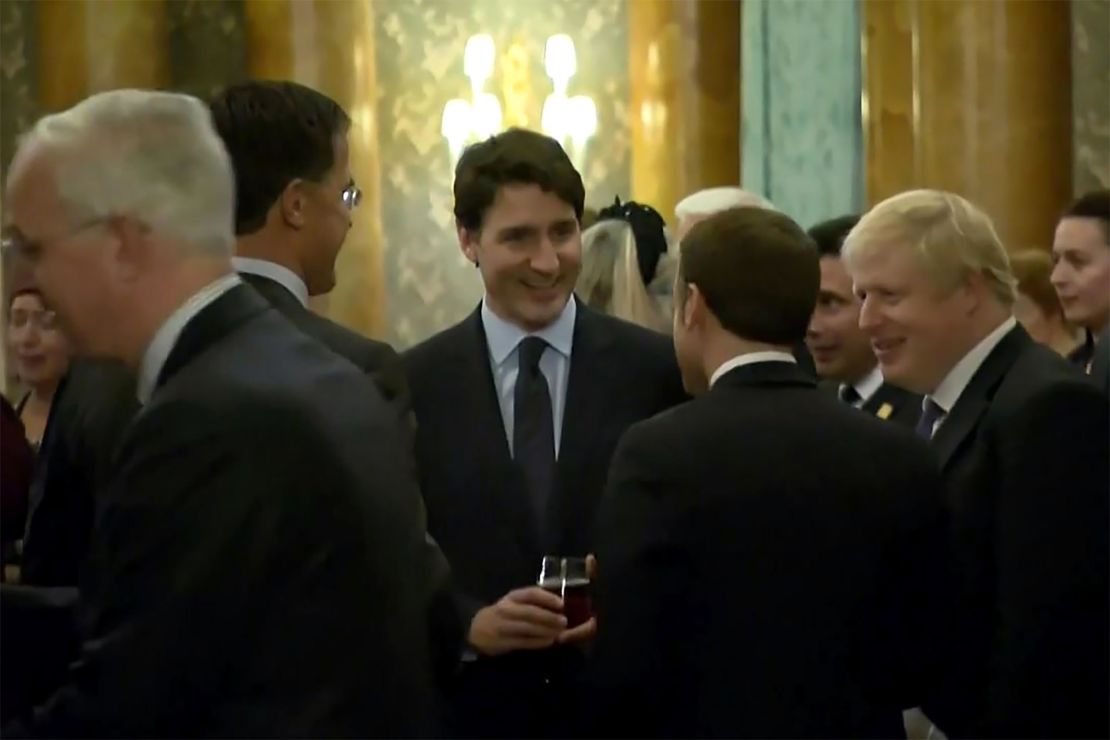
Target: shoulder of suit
(346, 342)
(1038, 380)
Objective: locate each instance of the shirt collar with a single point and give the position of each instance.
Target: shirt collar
(280, 274)
(503, 336)
(869, 384)
(750, 358)
(160, 346)
(953, 385)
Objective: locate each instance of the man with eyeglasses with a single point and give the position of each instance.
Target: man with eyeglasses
(258, 562)
(294, 199)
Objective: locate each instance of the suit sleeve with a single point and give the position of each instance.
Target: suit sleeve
(159, 623)
(639, 585)
(1052, 559)
(385, 368)
(915, 610)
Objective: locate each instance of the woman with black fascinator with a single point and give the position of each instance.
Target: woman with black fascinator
(627, 268)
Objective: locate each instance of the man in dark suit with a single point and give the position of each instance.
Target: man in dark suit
(762, 549)
(282, 137)
(258, 563)
(841, 350)
(286, 141)
(1023, 442)
(518, 410)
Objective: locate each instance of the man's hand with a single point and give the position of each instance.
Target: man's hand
(526, 619)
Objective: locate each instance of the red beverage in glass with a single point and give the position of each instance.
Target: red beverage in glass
(567, 579)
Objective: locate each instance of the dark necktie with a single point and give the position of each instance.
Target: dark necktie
(931, 413)
(533, 429)
(849, 395)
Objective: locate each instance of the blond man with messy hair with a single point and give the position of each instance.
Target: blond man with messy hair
(1023, 442)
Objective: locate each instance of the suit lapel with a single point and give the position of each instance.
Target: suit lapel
(584, 413)
(214, 322)
(975, 399)
(887, 402)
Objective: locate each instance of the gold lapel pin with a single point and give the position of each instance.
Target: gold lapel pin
(885, 411)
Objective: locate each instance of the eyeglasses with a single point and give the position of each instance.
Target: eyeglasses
(31, 250)
(352, 196)
(43, 320)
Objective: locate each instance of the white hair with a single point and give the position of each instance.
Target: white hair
(714, 200)
(153, 156)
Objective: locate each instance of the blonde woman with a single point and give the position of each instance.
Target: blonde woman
(627, 268)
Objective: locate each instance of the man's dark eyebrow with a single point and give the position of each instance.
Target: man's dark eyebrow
(521, 230)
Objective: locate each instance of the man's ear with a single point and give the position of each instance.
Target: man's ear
(291, 204)
(975, 291)
(468, 242)
(694, 310)
(130, 253)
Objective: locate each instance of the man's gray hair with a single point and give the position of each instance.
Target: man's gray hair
(714, 200)
(153, 156)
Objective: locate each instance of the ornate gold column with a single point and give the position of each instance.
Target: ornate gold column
(86, 46)
(684, 68)
(972, 97)
(329, 46)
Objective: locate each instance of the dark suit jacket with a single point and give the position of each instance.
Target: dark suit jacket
(257, 566)
(376, 359)
(1100, 361)
(92, 408)
(904, 407)
(478, 509)
(379, 361)
(889, 403)
(762, 552)
(16, 465)
(1025, 454)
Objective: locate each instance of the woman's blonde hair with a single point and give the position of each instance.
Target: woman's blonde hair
(952, 237)
(610, 279)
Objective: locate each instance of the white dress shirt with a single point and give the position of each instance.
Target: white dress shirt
(163, 341)
(950, 389)
(750, 358)
(866, 386)
(280, 274)
(503, 339)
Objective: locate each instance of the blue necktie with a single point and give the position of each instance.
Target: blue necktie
(931, 413)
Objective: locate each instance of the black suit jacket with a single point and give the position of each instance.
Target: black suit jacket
(377, 359)
(478, 509)
(257, 566)
(92, 408)
(894, 404)
(382, 363)
(1025, 454)
(889, 403)
(761, 555)
(1100, 361)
